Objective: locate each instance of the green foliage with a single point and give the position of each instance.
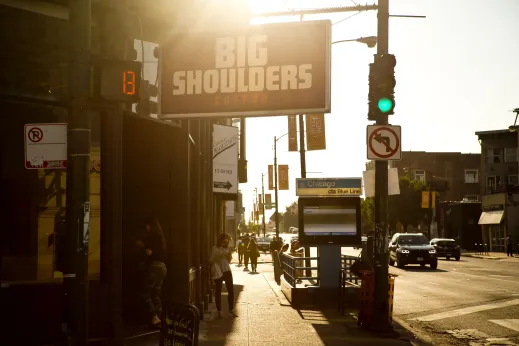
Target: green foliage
(406, 208)
(367, 208)
(290, 217)
(254, 228)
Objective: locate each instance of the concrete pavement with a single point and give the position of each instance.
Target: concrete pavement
(266, 318)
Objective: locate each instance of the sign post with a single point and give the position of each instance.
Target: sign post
(262, 70)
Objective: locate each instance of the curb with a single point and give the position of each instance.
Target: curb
(419, 338)
(481, 256)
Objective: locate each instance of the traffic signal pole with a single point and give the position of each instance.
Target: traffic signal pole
(276, 185)
(263, 203)
(76, 238)
(381, 299)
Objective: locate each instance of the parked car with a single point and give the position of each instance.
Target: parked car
(264, 244)
(412, 248)
(446, 248)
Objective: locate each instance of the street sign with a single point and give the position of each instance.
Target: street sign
(45, 146)
(384, 142)
(225, 159)
(329, 187)
(258, 70)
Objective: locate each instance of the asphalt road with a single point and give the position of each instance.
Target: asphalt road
(470, 302)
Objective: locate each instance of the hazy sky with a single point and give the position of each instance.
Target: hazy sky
(457, 72)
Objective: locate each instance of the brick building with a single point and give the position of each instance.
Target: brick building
(499, 188)
(455, 174)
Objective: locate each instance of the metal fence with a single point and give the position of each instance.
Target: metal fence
(346, 263)
(294, 269)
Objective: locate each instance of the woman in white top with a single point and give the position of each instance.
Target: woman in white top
(221, 271)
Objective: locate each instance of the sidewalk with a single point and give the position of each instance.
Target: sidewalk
(490, 255)
(265, 317)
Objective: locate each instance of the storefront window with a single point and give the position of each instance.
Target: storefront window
(33, 200)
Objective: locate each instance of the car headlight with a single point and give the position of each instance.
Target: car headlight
(404, 251)
(432, 251)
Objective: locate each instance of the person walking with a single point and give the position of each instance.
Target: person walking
(246, 241)
(252, 249)
(239, 248)
(221, 271)
(154, 245)
(509, 245)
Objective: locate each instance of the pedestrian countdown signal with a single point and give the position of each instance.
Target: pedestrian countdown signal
(119, 81)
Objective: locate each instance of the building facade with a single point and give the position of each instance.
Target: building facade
(499, 188)
(454, 174)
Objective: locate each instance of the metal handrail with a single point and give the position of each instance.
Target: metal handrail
(346, 263)
(290, 268)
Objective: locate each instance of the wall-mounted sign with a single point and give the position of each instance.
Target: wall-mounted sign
(262, 70)
(225, 159)
(45, 146)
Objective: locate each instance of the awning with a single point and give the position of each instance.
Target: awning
(493, 217)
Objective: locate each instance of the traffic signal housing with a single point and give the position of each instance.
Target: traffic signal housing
(146, 106)
(382, 83)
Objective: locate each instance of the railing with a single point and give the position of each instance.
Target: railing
(346, 263)
(481, 249)
(293, 266)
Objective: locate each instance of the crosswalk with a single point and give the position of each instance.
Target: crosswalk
(479, 337)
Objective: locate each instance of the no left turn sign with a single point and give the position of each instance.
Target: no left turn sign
(384, 142)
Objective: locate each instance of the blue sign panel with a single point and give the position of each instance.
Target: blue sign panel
(329, 187)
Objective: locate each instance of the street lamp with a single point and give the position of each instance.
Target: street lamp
(370, 41)
(514, 127)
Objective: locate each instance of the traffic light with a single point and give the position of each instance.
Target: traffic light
(145, 107)
(242, 171)
(382, 83)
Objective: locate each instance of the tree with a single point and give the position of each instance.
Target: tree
(290, 216)
(406, 207)
(367, 209)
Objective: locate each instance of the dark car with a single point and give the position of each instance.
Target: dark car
(446, 248)
(412, 248)
(264, 244)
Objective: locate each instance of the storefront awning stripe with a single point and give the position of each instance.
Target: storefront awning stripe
(493, 217)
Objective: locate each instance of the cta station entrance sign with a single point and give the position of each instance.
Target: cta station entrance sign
(263, 70)
(329, 187)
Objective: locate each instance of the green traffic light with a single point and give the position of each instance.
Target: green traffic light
(385, 105)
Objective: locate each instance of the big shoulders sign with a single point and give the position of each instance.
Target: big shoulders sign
(272, 69)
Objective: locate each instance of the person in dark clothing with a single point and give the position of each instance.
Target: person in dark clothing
(154, 245)
(509, 246)
(253, 252)
(246, 241)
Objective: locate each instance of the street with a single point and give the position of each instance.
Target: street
(470, 302)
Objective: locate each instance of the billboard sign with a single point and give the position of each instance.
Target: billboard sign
(225, 159)
(262, 70)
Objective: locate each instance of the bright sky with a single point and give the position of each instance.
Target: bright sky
(457, 72)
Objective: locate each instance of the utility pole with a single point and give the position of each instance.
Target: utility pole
(276, 186)
(302, 154)
(263, 203)
(381, 300)
(75, 272)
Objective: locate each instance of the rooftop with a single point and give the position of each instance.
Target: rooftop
(492, 132)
